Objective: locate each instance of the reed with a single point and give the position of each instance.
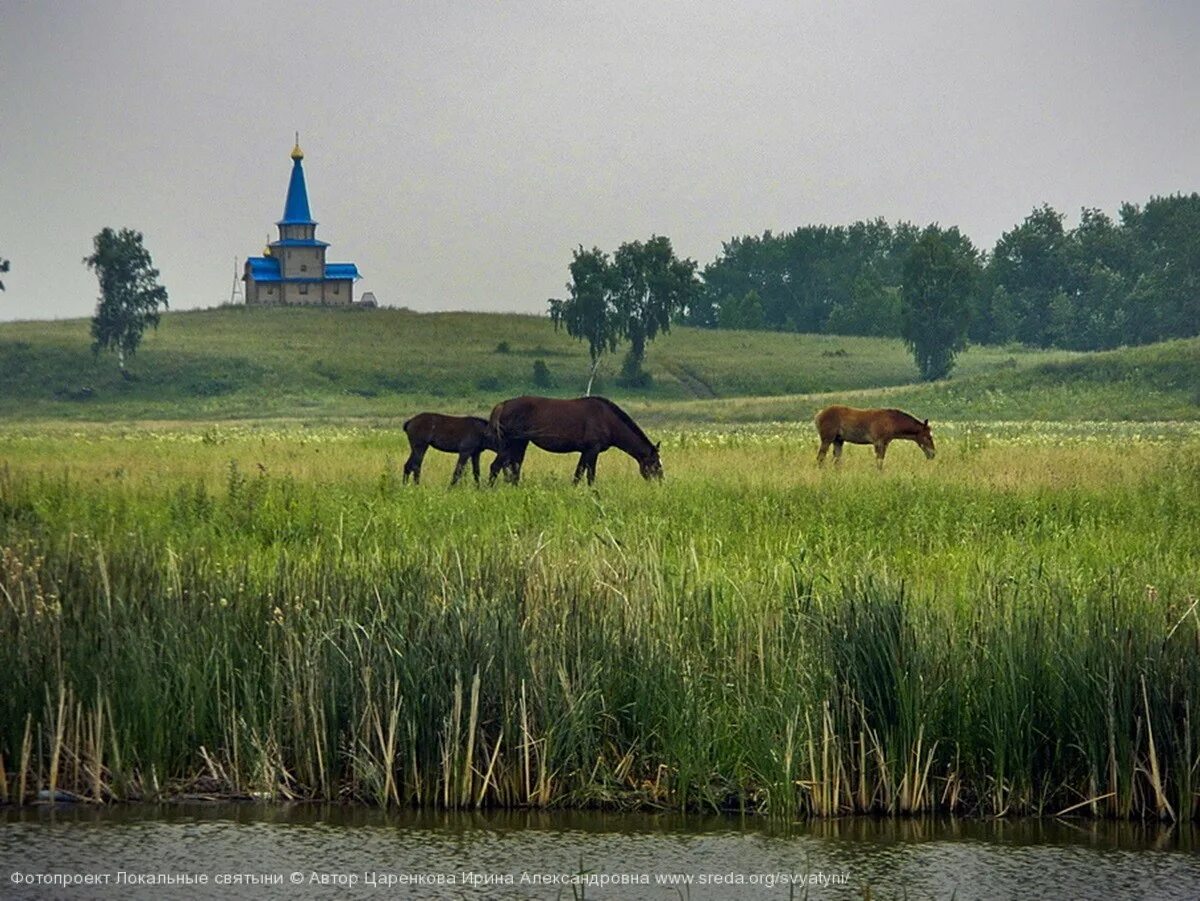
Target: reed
(1010, 630)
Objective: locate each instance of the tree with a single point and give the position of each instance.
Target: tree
(1165, 295)
(3, 268)
(130, 294)
(586, 313)
(632, 297)
(741, 312)
(817, 278)
(872, 309)
(650, 286)
(1031, 263)
(1101, 259)
(935, 302)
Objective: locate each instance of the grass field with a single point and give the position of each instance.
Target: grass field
(213, 581)
(327, 365)
(255, 608)
(321, 364)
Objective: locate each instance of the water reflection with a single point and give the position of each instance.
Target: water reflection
(536, 854)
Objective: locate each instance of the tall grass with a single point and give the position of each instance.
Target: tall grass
(1010, 629)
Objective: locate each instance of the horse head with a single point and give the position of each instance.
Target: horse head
(651, 464)
(489, 439)
(925, 440)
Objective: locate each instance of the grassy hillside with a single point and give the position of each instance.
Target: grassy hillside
(1156, 382)
(324, 364)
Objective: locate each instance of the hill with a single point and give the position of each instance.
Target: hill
(1141, 384)
(237, 362)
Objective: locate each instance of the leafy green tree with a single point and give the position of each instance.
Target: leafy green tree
(744, 312)
(4, 264)
(872, 309)
(1164, 298)
(586, 313)
(651, 286)
(817, 278)
(1031, 263)
(1003, 317)
(633, 297)
(703, 312)
(940, 273)
(130, 294)
(1100, 257)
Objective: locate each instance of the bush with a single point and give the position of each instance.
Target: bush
(633, 375)
(541, 375)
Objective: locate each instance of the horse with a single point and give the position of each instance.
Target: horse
(467, 436)
(587, 425)
(837, 425)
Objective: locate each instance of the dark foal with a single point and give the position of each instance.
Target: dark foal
(467, 436)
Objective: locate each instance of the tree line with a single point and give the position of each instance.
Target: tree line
(1101, 284)
(1098, 285)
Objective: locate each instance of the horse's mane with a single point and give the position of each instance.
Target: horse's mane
(912, 419)
(625, 418)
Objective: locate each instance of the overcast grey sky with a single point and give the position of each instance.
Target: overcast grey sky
(458, 151)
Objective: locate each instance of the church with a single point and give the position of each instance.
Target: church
(292, 270)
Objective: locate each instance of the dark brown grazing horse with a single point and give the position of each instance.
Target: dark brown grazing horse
(838, 425)
(587, 425)
(467, 436)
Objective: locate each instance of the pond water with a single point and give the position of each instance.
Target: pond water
(302, 851)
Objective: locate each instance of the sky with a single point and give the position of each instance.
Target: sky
(458, 152)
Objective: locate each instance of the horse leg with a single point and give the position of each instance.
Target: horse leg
(412, 466)
(824, 449)
(514, 459)
(498, 464)
(587, 464)
(518, 461)
(475, 466)
(458, 468)
(880, 450)
(837, 451)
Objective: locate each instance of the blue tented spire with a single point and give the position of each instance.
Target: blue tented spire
(295, 209)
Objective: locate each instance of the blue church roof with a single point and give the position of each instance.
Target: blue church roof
(341, 270)
(263, 269)
(295, 209)
(266, 269)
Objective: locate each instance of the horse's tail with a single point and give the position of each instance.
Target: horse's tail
(494, 423)
(407, 423)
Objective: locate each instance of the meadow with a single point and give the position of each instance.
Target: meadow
(263, 609)
(313, 365)
(317, 365)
